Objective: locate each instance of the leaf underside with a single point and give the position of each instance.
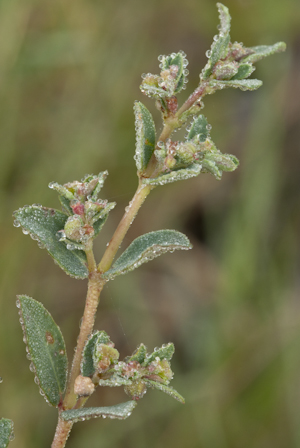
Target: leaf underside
(243, 84)
(147, 247)
(184, 173)
(145, 135)
(119, 411)
(43, 224)
(45, 347)
(6, 432)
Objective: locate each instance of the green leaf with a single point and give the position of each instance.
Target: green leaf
(262, 51)
(103, 215)
(164, 352)
(166, 389)
(244, 71)
(151, 87)
(220, 45)
(101, 179)
(6, 432)
(139, 354)
(65, 204)
(87, 363)
(181, 174)
(224, 17)
(199, 127)
(243, 84)
(43, 224)
(45, 348)
(145, 136)
(119, 411)
(147, 247)
(179, 60)
(62, 190)
(215, 162)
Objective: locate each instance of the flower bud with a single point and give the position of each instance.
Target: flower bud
(225, 70)
(185, 152)
(83, 386)
(105, 356)
(74, 228)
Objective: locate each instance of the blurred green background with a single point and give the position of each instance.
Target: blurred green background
(69, 74)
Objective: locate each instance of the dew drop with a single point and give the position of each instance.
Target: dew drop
(16, 223)
(208, 53)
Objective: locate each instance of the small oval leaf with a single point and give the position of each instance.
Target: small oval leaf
(199, 127)
(87, 364)
(43, 224)
(215, 162)
(147, 247)
(166, 389)
(119, 411)
(164, 352)
(139, 354)
(6, 432)
(244, 71)
(145, 136)
(45, 348)
(171, 62)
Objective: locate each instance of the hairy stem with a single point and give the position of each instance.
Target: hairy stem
(195, 96)
(95, 286)
(129, 215)
(61, 434)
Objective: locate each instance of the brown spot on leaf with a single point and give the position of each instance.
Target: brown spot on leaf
(49, 337)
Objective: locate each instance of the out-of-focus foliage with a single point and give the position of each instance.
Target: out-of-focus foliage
(69, 74)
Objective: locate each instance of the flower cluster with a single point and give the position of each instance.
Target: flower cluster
(136, 373)
(86, 213)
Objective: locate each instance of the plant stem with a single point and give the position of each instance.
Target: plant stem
(95, 286)
(61, 434)
(171, 123)
(129, 215)
(196, 95)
